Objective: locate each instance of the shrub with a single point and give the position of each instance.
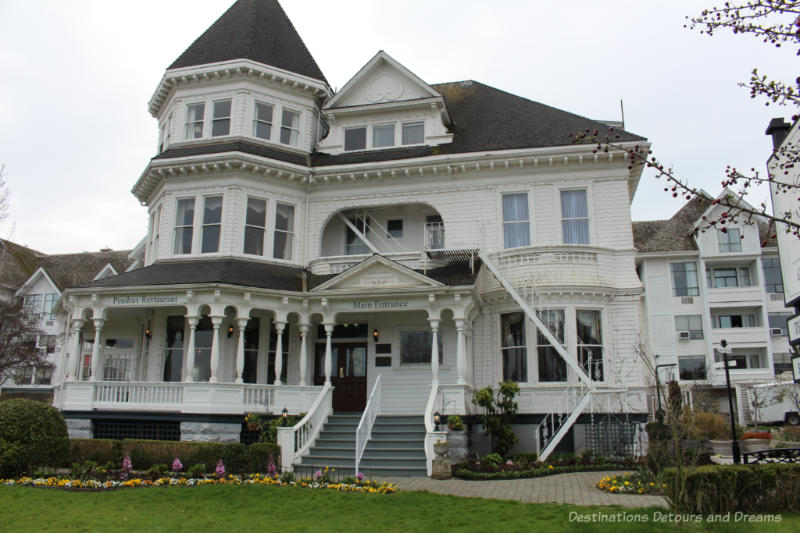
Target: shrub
(500, 409)
(260, 452)
(32, 435)
(196, 470)
(719, 489)
(711, 426)
(756, 435)
(146, 453)
(101, 451)
(236, 458)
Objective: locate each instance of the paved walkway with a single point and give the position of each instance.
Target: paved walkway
(576, 488)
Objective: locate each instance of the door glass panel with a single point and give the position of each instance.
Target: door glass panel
(357, 362)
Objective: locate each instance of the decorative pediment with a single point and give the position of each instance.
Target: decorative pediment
(382, 80)
(35, 278)
(377, 272)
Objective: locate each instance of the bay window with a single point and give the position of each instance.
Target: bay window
(221, 120)
(212, 224)
(290, 127)
(254, 226)
(184, 225)
(552, 366)
(513, 347)
(262, 124)
(730, 240)
(195, 114)
(590, 342)
(284, 232)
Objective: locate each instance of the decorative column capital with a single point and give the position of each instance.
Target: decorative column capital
(329, 328)
(216, 321)
(241, 323)
(98, 323)
(304, 329)
(193, 320)
(78, 323)
(280, 325)
(434, 322)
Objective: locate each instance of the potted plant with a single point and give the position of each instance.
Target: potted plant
(454, 423)
(253, 421)
(457, 438)
(713, 427)
(755, 441)
(440, 448)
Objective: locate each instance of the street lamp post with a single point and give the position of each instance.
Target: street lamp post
(724, 350)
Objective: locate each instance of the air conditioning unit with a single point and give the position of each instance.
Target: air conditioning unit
(687, 300)
(684, 335)
(776, 296)
(49, 323)
(776, 332)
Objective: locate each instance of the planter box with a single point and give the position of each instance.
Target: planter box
(754, 445)
(720, 447)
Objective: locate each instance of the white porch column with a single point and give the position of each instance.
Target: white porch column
(241, 324)
(328, 356)
(303, 353)
(188, 376)
(435, 348)
(73, 368)
(216, 321)
(461, 353)
(279, 327)
(98, 328)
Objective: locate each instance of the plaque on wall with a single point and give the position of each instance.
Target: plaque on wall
(383, 361)
(383, 348)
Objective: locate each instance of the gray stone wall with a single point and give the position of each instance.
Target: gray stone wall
(210, 432)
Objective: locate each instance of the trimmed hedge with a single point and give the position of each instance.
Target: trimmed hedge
(541, 471)
(238, 458)
(32, 435)
(718, 489)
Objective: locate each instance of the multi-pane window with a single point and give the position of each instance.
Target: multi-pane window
(284, 231)
(173, 348)
(383, 136)
(552, 366)
(221, 120)
(251, 335)
(262, 124)
(720, 278)
(413, 133)
(590, 342)
(194, 120)
(394, 228)
(730, 240)
(684, 279)
(48, 343)
(353, 244)
(691, 323)
(184, 224)
(516, 221)
(513, 347)
(692, 368)
(355, 138)
(33, 305)
(745, 320)
(212, 223)
(574, 217)
(254, 226)
(416, 346)
(782, 362)
(779, 320)
(773, 280)
(290, 127)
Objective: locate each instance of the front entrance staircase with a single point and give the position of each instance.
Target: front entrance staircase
(396, 449)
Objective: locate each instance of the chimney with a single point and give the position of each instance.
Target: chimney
(779, 129)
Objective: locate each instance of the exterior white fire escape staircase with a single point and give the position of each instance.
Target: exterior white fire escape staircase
(555, 425)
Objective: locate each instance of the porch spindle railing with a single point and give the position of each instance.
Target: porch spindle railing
(138, 393)
(371, 411)
(296, 441)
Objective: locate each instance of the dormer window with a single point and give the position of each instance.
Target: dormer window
(290, 127)
(730, 240)
(221, 124)
(262, 125)
(383, 136)
(413, 133)
(194, 120)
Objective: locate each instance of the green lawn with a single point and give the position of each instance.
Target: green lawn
(258, 508)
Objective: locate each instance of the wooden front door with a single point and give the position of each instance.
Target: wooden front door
(349, 374)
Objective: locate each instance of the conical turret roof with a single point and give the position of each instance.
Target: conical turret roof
(258, 30)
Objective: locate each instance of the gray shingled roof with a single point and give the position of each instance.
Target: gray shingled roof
(253, 29)
(247, 274)
(484, 119)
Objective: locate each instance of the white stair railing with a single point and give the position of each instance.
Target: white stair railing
(295, 441)
(561, 427)
(431, 435)
(371, 412)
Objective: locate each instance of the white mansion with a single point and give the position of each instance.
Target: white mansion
(386, 251)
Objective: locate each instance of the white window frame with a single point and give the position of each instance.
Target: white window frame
(204, 224)
(256, 120)
(262, 228)
(393, 127)
(687, 287)
(215, 119)
(366, 138)
(687, 357)
(587, 218)
(412, 123)
(180, 226)
(402, 228)
(504, 222)
(294, 140)
(727, 242)
(694, 334)
(292, 233)
(193, 123)
(420, 329)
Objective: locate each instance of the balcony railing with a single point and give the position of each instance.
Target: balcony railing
(434, 236)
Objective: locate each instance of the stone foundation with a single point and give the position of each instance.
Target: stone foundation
(79, 428)
(210, 432)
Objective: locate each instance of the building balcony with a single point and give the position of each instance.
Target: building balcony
(171, 397)
(534, 266)
(736, 295)
(741, 337)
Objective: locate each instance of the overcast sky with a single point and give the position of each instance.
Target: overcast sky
(75, 133)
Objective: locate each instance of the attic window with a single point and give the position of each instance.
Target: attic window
(221, 124)
(355, 139)
(413, 133)
(383, 136)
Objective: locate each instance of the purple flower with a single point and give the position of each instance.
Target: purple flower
(509, 463)
(318, 474)
(360, 476)
(126, 463)
(177, 466)
(272, 470)
(220, 470)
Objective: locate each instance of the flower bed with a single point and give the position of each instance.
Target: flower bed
(492, 466)
(253, 479)
(641, 482)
